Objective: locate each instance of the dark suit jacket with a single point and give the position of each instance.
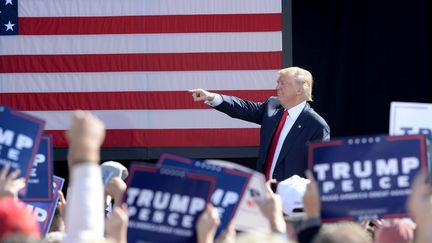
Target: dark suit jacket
(293, 157)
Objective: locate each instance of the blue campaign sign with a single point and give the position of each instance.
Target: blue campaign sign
(19, 139)
(363, 178)
(40, 183)
(165, 203)
(44, 211)
(230, 185)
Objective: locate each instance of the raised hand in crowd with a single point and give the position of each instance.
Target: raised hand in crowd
(116, 225)
(311, 226)
(115, 188)
(202, 95)
(228, 235)
(57, 223)
(9, 184)
(271, 208)
(207, 224)
(85, 138)
(311, 199)
(61, 204)
(84, 212)
(371, 226)
(420, 207)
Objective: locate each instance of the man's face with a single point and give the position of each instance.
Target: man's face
(288, 92)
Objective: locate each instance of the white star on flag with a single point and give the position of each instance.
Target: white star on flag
(8, 1)
(9, 26)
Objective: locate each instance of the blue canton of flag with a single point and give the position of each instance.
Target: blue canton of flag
(9, 17)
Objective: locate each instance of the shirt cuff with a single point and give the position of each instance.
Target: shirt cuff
(216, 101)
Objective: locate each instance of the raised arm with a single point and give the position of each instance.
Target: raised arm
(231, 105)
(85, 212)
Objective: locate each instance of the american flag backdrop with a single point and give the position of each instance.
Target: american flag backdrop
(131, 63)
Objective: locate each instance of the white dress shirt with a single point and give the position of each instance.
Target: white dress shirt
(293, 114)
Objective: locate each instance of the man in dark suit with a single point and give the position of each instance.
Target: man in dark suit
(288, 123)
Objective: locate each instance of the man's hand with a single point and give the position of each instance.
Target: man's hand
(116, 225)
(202, 95)
(207, 224)
(420, 207)
(115, 188)
(9, 184)
(61, 204)
(420, 201)
(311, 199)
(85, 137)
(228, 235)
(271, 208)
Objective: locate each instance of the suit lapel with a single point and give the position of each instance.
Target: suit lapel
(296, 129)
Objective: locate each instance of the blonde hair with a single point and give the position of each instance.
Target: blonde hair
(347, 232)
(258, 237)
(302, 77)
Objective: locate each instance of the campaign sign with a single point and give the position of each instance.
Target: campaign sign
(362, 178)
(19, 140)
(165, 203)
(230, 185)
(40, 183)
(404, 118)
(249, 217)
(44, 211)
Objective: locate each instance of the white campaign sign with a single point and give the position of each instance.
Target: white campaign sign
(249, 216)
(410, 118)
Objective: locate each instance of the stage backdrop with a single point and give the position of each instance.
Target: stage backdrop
(131, 63)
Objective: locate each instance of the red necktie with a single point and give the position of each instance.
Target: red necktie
(272, 149)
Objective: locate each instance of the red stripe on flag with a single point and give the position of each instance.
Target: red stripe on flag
(149, 24)
(157, 100)
(173, 137)
(141, 62)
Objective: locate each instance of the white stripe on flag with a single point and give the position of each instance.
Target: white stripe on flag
(148, 119)
(58, 8)
(142, 43)
(137, 81)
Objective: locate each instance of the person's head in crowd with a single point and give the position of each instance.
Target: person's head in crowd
(291, 192)
(346, 232)
(113, 169)
(397, 230)
(19, 238)
(16, 219)
(258, 237)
